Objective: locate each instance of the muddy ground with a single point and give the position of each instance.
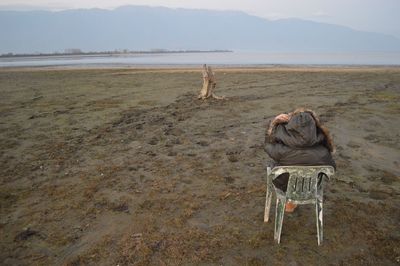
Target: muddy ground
(127, 167)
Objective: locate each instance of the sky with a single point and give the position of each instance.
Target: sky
(368, 15)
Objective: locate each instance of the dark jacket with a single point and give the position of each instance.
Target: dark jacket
(301, 141)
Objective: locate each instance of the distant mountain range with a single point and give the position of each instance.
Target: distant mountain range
(145, 28)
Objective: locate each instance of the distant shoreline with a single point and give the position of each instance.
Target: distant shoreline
(194, 58)
(217, 68)
(111, 53)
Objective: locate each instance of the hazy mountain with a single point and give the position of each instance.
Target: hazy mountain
(144, 28)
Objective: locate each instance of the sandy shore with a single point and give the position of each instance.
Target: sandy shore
(126, 166)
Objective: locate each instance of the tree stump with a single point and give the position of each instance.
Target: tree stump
(209, 84)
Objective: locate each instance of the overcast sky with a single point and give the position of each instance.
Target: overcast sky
(369, 15)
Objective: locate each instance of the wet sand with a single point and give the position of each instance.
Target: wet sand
(126, 166)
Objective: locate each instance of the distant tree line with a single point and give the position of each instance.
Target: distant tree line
(76, 51)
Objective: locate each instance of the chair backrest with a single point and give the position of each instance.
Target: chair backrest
(303, 181)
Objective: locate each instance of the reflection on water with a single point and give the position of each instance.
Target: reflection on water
(185, 59)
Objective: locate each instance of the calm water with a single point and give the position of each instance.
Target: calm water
(187, 59)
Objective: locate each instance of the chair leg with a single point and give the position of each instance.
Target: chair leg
(279, 212)
(268, 198)
(319, 213)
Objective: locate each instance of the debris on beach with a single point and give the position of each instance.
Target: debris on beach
(209, 84)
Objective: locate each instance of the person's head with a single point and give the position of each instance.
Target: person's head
(301, 120)
(307, 116)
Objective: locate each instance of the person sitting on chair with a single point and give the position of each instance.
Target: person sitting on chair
(297, 138)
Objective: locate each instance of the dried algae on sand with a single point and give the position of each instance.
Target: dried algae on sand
(126, 166)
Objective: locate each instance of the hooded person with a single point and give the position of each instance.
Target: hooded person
(298, 138)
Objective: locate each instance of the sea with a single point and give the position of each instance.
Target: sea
(235, 59)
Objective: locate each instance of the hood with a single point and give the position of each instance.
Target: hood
(302, 130)
(302, 126)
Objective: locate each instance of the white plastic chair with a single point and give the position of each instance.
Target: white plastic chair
(305, 186)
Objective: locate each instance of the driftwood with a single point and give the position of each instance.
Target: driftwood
(209, 84)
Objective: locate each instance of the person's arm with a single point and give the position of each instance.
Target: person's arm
(281, 118)
(272, 145)
(273, 123)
